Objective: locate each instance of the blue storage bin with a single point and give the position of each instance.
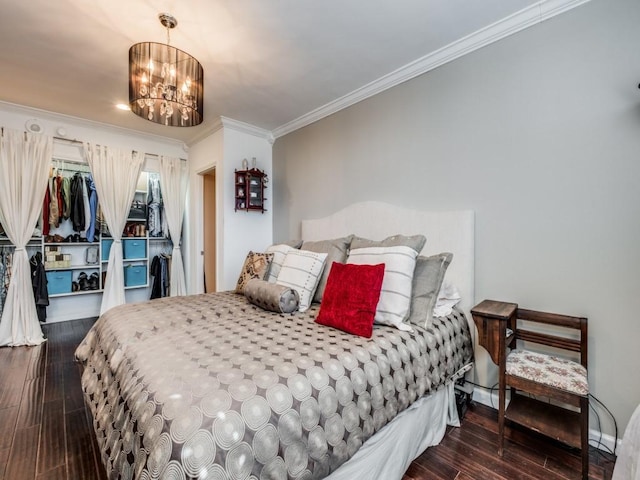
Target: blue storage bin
(135, 275)
(106, 248)
(59, 281)
(134, 248)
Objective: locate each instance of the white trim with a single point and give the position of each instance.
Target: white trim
(83, 122)
(207, 132)
(482, 396)
(527, 17)
(247, 128)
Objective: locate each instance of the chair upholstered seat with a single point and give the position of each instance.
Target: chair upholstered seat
(549, 370)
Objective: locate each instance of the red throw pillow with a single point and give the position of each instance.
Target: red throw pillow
(351, 297)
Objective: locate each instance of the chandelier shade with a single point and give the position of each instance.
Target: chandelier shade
(165, 84)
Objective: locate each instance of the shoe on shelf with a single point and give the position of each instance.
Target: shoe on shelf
(83, 281)
(75, 286)
(93, 281)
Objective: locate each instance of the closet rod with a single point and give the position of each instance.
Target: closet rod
(68, 140)
(65, 161)
(78, 142)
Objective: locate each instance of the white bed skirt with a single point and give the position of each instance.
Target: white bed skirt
(388, 453)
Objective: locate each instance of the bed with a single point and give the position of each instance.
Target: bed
(213, 386)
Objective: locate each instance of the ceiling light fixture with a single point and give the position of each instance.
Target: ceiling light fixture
(165, 84)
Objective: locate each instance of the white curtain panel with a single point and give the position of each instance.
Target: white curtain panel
(115, 173)
(24, 168)
(174, 179)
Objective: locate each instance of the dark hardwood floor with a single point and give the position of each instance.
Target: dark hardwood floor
(46, 433)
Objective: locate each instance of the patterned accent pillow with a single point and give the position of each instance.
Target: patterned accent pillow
(414, 241)
(271, 296)
(301, 270)
(395, 297)
(336, 250)
(427, 280)
(279, 251)
(256, 265)
(351, 297)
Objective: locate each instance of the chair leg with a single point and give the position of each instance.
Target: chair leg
(501, 408)
(584, 436)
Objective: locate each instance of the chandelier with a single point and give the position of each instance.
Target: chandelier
(165, 84)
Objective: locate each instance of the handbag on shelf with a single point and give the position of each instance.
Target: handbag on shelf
(138, 210)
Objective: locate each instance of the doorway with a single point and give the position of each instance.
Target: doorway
(209, 230)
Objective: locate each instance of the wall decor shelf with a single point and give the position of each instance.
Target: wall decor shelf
(249, 190)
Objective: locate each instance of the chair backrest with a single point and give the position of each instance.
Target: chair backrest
(551, 340)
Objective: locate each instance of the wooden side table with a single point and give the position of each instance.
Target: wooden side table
(496, 323)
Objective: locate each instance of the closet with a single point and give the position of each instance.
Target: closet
(73, 241)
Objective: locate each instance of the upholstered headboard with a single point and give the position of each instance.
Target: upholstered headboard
(445, 231)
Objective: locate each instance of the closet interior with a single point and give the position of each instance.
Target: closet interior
(69, 249)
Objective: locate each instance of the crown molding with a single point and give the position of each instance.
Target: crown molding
(247, 128)
(525, 18)
(85, 123)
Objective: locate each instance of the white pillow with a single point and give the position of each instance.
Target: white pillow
(448, 297)
(279, 252)
(301, 270)
(395, 297)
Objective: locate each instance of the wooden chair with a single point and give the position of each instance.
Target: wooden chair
(546, 377)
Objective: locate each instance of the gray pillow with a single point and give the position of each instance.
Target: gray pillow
(271, 296)
(414, 241)
(336, 250)
(427, 280)
(293, 243)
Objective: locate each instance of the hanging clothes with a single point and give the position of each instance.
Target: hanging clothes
(77, 203)
(58, 181)
(101, 223)
(39, 284)
(87, 206)
(159, 270)
(54, 213)
(6, 260)
(66, 197)
(45, 211)
(154, 203)
(3, 291)
(93, 208)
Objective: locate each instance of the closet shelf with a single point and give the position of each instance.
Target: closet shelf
(74, 267)
(80, 292)
(71, 243)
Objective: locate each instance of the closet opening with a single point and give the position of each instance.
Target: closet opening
(209, 229)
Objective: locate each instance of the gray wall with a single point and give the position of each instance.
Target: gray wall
(539, 134)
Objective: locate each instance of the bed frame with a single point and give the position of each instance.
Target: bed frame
(390, 451)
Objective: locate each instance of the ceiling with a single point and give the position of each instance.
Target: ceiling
(266, 62)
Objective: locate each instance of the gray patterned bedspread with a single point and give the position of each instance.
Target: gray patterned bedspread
(210, 386)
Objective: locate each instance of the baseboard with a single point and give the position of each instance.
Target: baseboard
(605, 442)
